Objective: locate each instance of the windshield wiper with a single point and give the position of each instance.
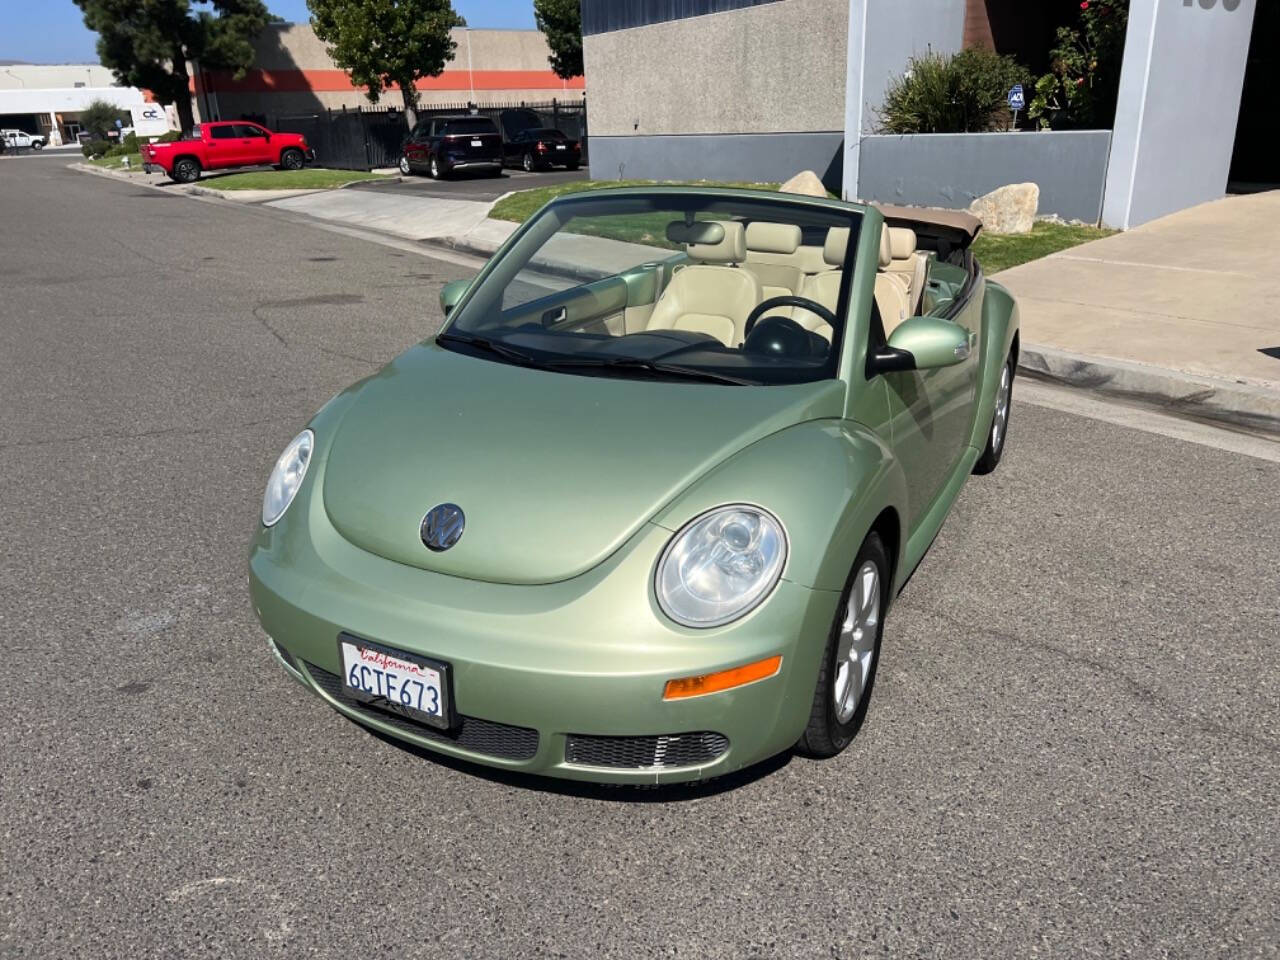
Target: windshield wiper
(650, 366)
(492, 346)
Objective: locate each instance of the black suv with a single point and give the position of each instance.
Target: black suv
(441, 145)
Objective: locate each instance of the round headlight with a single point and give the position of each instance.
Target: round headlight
(286, 477)
(721, 565)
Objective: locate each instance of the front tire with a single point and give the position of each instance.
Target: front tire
(186, 170)
(37, 145)
(405, 169)
(998, 432)
(435, 170)
(292, 160)
(847, 674)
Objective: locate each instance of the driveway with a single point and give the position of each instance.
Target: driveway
(473, 188)
(1072, 751)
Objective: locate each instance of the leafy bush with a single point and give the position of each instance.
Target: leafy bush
(99, 117)
(1080, 89)
(95, 148)
(169, 137)
(965, 92)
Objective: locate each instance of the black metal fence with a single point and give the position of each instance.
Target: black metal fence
(365, 138)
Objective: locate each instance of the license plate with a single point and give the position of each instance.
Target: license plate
(413, 686)
(477, 143)
(559, 146)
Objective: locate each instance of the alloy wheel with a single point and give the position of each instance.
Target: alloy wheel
(404, 165)
(857, 643)
(1001, 419)
(528, 162)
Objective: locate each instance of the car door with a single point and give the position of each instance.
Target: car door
(224, 147)
(417, 147)
(255, 144)
(931, 411)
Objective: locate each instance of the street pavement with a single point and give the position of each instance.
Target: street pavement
(466, 187)
(1072, 749)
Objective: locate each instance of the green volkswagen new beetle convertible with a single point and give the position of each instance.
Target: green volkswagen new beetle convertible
(638, 513)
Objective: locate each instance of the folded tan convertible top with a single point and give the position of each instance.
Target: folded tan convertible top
(954, 222)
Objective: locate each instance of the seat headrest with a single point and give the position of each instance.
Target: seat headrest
(837, 244)
(886, 248)
(902, 242)
(773, 237)
(732, 249)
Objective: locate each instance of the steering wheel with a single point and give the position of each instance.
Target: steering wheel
(788, 301)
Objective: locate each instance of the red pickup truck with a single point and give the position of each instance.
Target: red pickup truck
(216, 146)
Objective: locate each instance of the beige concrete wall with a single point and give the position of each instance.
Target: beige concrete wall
(294, 46)
(775, 67)
(293, 74)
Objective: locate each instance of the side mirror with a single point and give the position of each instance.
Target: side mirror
(451, 293)
(922, 343)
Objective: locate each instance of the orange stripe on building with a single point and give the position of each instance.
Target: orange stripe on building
(336, 81)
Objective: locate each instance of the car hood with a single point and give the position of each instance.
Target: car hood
(553, 471)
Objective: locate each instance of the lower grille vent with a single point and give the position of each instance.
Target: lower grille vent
(639, 753)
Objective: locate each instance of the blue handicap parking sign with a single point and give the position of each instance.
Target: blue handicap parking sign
(1016, 100)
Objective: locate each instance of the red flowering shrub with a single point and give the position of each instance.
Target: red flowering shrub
(1079, 91)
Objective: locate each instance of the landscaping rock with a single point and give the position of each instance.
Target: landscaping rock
(1008, 209)
(806, 183)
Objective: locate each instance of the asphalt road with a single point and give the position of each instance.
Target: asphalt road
(1072, 749)
(470, 187)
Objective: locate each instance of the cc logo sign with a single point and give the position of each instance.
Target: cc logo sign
(1227, 5)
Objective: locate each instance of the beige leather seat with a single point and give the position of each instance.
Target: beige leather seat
(891, 299)
(771, 249)
(824, 287)
(890, 291)
(712, 295)
(907, 265)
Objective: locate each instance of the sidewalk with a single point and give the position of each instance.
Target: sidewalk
(1186, 304)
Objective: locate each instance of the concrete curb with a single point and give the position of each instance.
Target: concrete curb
(1209, 398)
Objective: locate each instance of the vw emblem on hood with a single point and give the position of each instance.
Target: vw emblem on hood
(442, 526)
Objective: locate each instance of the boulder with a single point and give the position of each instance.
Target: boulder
(805, 182)
(1008, 209)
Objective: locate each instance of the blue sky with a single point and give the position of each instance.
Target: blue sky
(53, 31)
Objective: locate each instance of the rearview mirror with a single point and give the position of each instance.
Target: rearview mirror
(451, 293)
(923, 343)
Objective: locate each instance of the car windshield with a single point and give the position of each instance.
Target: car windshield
(668, 286)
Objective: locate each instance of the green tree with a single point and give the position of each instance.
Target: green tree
(149, 44)
(384, 43)
(100, 116)
(561, 23)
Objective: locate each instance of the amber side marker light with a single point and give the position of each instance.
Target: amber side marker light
(722, 680)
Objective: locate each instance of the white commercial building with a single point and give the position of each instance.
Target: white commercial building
(48, 99)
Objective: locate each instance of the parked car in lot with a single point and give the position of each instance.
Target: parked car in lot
(540, 148)
(638, 512)
(19, 139)
(441, 146)
(220, 145)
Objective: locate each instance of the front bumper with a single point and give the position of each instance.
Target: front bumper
(561, 679)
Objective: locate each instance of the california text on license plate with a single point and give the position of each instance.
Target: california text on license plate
(413, 686)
